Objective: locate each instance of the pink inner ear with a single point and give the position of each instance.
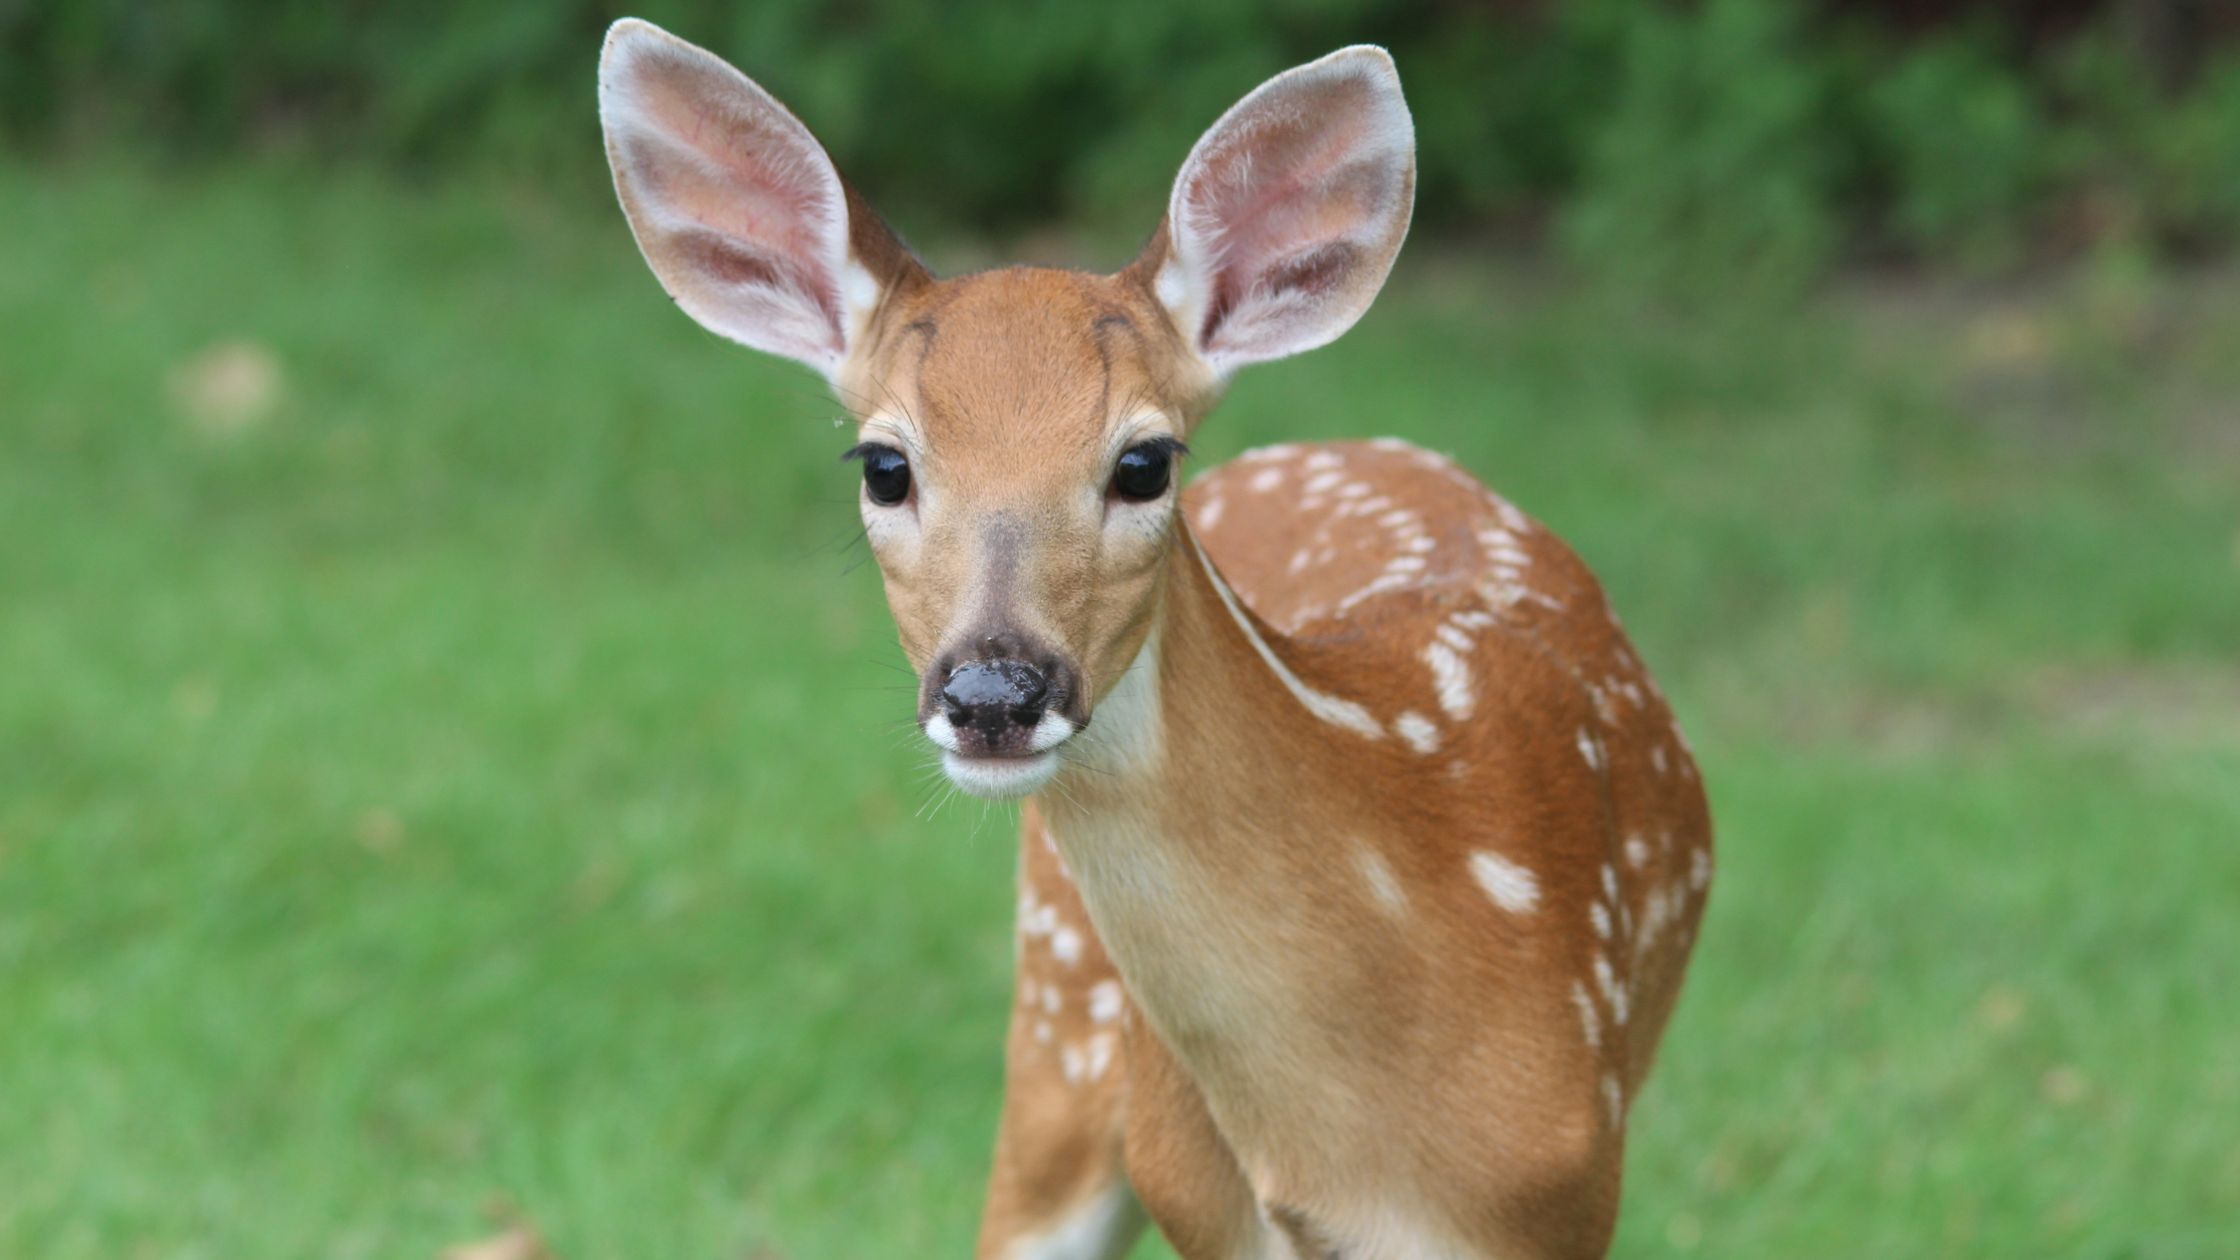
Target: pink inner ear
(1289, 202)
(1278, 194)
(762, 191)
(738, 209)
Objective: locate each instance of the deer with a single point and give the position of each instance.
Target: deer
(1360, 857)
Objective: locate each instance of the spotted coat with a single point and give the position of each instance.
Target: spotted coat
(1540, 804)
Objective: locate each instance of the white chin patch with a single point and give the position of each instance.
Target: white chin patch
(1000, 778)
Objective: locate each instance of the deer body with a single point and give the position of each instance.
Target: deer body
(1361, 858)
(1412, 979)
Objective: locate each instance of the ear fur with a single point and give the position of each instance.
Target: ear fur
(1287, 216)
(736, 207)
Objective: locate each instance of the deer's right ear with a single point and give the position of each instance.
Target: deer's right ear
(1289, 212)
(736, 206)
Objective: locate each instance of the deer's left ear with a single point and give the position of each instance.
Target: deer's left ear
(736, 206)
(1289, 212)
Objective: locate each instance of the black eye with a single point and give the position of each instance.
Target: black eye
(886, 474)
(1145, 469)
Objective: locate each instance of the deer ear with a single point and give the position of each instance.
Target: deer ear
(1289, 212)
(735, 205)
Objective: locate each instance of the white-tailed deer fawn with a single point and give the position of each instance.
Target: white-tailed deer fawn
(1348, 925)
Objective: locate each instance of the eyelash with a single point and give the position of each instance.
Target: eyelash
(886, 472)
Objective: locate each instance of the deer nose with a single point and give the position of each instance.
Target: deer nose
(991, 697)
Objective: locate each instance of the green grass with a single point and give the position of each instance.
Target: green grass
(482, 776)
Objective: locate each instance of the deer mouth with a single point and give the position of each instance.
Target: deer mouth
(1000, 778)
(1006, 773)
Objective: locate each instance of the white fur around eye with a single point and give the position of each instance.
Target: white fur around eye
(892, 532)
(1146, 524)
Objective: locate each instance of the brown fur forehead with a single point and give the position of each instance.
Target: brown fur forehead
(1025, 354)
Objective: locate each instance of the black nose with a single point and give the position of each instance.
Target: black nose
(993, 696)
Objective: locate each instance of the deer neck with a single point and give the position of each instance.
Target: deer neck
(1209, 719)
(1193, 823)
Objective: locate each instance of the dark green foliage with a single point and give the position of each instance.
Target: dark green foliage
(1674, 142)
(1962, 149)
(2159, 168)
(1710, 168)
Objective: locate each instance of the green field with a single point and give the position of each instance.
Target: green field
(451, 754)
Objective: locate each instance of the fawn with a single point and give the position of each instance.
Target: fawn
(1360, 858)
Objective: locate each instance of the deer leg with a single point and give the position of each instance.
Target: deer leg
(1186, 1174)
(1059, 1189)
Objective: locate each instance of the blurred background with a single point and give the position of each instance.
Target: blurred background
(454, 781)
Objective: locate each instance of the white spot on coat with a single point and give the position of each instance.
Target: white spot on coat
(1613, 989)
(1452, 678)
(1101, 1048)
(1601, 915)
(1383, 884)
(1511, 886)
(1590, 750)
(1418, 731)
(1604, 707)
(1659, 910)
(1065, 944)
(1105, 1001)
(1590, 1024)
(1387, 582)
(1265, 480)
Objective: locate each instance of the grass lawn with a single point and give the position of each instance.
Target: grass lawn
(450, 754)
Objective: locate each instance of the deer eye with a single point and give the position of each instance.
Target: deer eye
(1145, 470)
(886, 474)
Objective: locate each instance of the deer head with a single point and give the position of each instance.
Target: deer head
(1019, 431)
